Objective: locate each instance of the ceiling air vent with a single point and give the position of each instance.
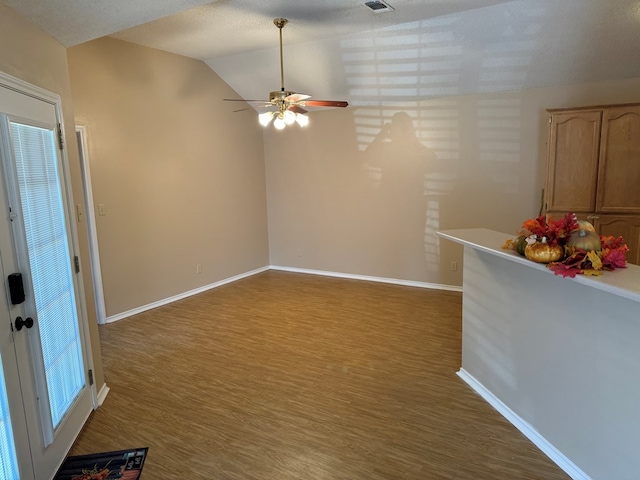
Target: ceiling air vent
(378, 6)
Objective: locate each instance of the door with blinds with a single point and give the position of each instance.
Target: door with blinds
(44, 388)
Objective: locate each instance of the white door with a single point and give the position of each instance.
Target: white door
(13, 426)
(44, 359)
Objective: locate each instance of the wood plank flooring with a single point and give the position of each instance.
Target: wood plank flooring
(288, 376)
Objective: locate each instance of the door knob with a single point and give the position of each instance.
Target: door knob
(23, 323)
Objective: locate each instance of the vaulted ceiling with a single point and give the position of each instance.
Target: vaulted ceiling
(342, 50)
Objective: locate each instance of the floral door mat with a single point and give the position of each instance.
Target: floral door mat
(118, 465)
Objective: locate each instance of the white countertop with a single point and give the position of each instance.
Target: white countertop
(624, 282)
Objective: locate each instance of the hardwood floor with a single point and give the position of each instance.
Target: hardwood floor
(288, 376)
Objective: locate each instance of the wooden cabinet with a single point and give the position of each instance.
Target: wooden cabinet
(572, 168)
(619, 165)
(593, 169)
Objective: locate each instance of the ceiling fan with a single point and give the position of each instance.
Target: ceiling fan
(287, 107)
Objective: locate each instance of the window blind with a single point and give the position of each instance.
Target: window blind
(50, 264)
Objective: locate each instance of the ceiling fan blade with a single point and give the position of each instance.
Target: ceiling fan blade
(266, 105)
(297, 97)
(242, 100)
(297, 109)
(325, 103)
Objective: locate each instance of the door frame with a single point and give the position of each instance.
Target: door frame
(92, 231)
(54, 99)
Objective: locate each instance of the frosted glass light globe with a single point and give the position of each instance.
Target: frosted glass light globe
(289, 117)
(265, 118)
(302, 120)
(279, 123)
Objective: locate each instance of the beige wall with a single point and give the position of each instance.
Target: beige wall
(181, 176)
(27, 53)
(345, 197)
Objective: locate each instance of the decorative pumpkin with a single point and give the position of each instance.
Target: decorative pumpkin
(542, 252)
(585, 240)
(584, 225)
(520, 244)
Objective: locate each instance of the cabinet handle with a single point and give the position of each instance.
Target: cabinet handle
(593, 217)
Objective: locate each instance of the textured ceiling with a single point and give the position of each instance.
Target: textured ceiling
(76, 21)
(339, 49)
(230, 27)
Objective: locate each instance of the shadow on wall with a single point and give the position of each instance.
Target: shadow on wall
(398, 165)
(469, 171)
(442, 128)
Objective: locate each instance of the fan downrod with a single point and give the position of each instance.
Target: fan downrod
(280, 23)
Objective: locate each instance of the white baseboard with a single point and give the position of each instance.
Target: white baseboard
(159, 303)
(394, 281)
(527, 430)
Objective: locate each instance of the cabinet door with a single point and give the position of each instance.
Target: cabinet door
(625, 226)
(572, 168)
(619, 171)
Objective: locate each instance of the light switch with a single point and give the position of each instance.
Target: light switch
(102, 210)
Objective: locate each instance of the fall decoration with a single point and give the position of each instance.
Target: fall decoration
(582, 262)
(557, 232)
(542, 252)
(585, 240)
(569, 246)
(585, 225)
(554, 232)
(520, 244)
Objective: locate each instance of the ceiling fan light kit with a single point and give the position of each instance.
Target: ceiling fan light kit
(289, 105)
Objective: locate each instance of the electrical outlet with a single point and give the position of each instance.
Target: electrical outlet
(454, 266)
(299, 252)
(198, 268)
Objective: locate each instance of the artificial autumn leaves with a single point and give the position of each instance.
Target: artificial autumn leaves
(557, 232)
(578, 261)
(592, 259)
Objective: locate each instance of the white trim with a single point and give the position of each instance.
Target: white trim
(394, 281)
(78, 276)
(25, 88)
(527, 430)
(159, 303)
(90, 215)
(102, 395)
